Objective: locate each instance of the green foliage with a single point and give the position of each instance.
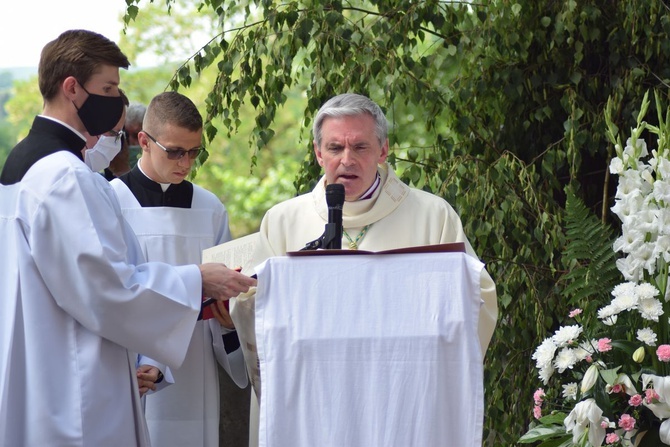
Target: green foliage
(247, 198)
(495, 105)
(552, 432)
(21, 108)
(593, 273)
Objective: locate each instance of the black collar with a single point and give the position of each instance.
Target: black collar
(150, 193)
(45, 138)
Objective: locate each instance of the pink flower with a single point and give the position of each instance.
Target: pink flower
(650, 396)
(604, 344)
(611, 438)
(589, 359)
(627, 422)
(616, 388)
(635, 401)
(537, 412)
(538, 396)
(574, 313)
(663, 353)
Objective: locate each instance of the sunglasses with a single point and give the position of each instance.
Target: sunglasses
(177, 154)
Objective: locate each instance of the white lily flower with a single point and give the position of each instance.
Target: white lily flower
(590, 378)
(586, 416)
(662, 386)
(616, 166)
(628, 386)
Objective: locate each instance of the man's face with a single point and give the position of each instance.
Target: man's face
(104, 82)
(132, 130)
(350, 153)
(91, 140)
(155, 162)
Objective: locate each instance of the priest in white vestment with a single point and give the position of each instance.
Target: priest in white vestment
(380, 212)
(175, 220)
(77, 295)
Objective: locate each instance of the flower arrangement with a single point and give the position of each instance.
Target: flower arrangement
(606, 381)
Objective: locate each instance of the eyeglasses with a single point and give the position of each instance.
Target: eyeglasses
(118, 135)
(177, 154)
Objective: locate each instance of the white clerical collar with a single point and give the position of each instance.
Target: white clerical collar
(164, 186)
(64, 124)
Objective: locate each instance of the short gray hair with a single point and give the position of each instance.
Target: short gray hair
(351, 104)
(135, 113)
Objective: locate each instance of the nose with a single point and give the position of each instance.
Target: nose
(186, 161)
(347, 157)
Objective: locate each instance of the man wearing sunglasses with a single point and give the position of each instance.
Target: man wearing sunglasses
(175, 220)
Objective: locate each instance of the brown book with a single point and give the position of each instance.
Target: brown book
(437, 248)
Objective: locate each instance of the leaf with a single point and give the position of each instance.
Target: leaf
(590, 243)
(542, 432)
(553, 418)
(610, 375)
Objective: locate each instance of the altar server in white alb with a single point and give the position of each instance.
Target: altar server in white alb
(380, 212)
(78, 298)
(175, 221)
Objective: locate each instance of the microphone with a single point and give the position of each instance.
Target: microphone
(332, 236)
(335, 201)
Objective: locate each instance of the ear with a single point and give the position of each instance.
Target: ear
(143, 141)
(318, 154)
(70, 86)
(385, 152)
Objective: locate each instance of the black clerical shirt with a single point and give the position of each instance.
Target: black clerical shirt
(45, 138)
(149, 193)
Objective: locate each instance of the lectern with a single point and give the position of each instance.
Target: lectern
(365, 350)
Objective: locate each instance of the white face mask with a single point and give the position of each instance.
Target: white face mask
(99, 156)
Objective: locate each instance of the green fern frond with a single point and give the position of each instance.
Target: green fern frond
(593, 271)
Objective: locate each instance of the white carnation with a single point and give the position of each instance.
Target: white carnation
(646, 290)
(650, 309)
(607, 311)
(544, 354)
(566, 335)
(565, 359)
(570, 391)
(546, 373)
(647, 336)
(625, 288)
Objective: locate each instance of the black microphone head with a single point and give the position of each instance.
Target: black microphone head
(335, 195)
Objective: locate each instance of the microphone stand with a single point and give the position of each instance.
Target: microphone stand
(330, 239)
(332, 236)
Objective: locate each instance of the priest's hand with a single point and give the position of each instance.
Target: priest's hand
(147, 376)
(220, 312)
(222, 283)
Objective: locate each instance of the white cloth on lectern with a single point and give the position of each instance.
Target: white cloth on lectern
(348, 360)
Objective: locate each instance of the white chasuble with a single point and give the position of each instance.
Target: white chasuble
(187, 413)
(370, 351)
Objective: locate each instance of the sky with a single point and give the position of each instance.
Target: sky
(27, 25)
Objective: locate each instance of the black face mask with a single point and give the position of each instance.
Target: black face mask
(100, 113)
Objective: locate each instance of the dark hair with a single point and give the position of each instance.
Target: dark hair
(171, 108)
(124, 98)
(351, 104)
(77, 53)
